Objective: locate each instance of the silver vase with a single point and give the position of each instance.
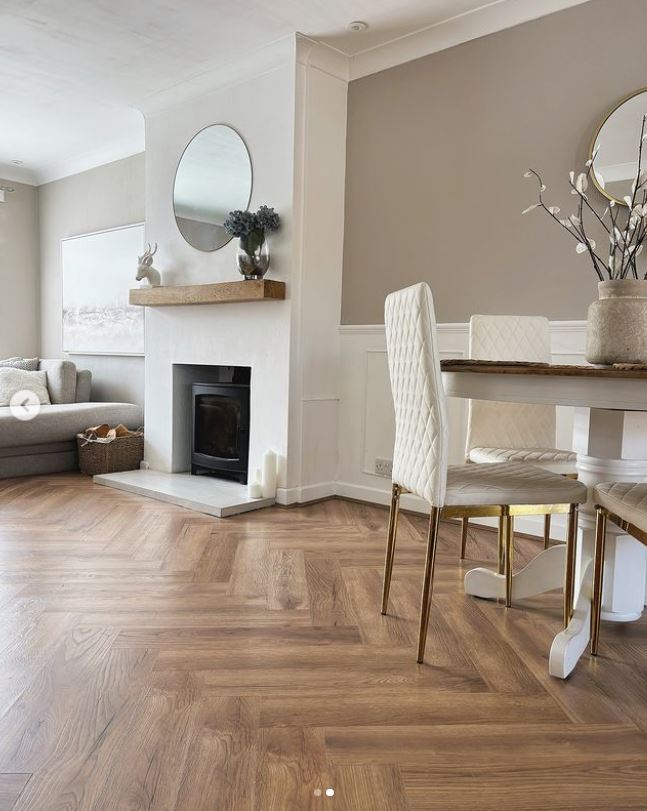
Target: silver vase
(253, 264)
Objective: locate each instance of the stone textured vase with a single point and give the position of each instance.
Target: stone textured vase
(617, 323)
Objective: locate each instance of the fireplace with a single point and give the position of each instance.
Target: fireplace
(220, 427)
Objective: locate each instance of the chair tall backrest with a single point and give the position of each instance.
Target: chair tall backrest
(510, 425)
(421, 430)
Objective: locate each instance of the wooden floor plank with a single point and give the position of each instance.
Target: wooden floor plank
(292, 770)
(287, 587)
(379, 788)
(66, 778)
(32, 725)
(11, 786)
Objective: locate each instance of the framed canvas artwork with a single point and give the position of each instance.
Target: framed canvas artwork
(98, 270)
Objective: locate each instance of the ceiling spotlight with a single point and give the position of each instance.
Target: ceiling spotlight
(357, 25)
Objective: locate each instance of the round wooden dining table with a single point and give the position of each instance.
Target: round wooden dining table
(610, 439)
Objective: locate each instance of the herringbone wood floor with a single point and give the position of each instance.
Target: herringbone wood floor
(154, 658)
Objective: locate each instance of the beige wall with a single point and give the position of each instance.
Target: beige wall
(105, 197)
(437, 149)
(19, 271)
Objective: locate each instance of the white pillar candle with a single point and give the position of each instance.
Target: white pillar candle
(254, 485)
(268, 482)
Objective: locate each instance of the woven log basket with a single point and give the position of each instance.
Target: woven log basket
(100, 456)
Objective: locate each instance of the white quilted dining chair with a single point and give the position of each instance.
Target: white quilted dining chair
(513, 432)
(421, 450)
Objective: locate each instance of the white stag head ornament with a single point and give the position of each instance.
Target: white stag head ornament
(145, 269)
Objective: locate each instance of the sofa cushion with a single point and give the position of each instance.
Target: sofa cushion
(83, 385)
(62, 422)
(61, 380)
(14, 380)
(28, 364)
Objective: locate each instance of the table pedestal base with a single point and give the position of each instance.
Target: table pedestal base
(573, 641)
(545, 572)
(611, 447)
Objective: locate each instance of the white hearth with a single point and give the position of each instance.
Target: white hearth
(204, 494)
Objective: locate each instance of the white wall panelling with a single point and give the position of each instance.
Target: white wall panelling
(366, 411)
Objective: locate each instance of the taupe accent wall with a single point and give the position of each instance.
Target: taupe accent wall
(436, 153)
(105, 197)
(19, 271)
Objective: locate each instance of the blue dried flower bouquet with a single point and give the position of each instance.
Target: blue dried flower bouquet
(253, 256)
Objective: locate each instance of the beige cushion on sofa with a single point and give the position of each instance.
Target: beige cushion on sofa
(28, 364)
(15, 380)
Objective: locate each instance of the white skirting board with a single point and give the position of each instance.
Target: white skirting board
(302, 495)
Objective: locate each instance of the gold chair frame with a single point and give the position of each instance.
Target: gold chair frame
(506, 514)
(465, 527)
(602, 516)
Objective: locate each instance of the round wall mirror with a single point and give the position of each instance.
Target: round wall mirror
(213, 177)
(617, 142)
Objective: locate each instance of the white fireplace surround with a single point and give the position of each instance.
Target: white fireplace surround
(288, 102)
(245, 334)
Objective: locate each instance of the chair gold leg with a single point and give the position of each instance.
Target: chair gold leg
(390, 545)
(501, 549)
(569, 573)
(464, 528)
(547, 530)
(508, 536)
(598, 574)
(428, 582)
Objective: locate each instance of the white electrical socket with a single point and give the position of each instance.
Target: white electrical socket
(384, 467)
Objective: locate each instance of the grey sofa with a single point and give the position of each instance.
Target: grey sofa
(47, 443)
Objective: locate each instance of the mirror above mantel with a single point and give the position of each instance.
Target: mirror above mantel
(213, 177)
(616, 143)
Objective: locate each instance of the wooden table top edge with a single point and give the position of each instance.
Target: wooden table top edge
(546, 370)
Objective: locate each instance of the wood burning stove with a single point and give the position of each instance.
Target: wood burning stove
(220, 430)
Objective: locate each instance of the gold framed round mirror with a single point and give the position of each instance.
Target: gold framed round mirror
(615, 145)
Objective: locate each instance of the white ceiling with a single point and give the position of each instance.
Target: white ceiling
(73, 72)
